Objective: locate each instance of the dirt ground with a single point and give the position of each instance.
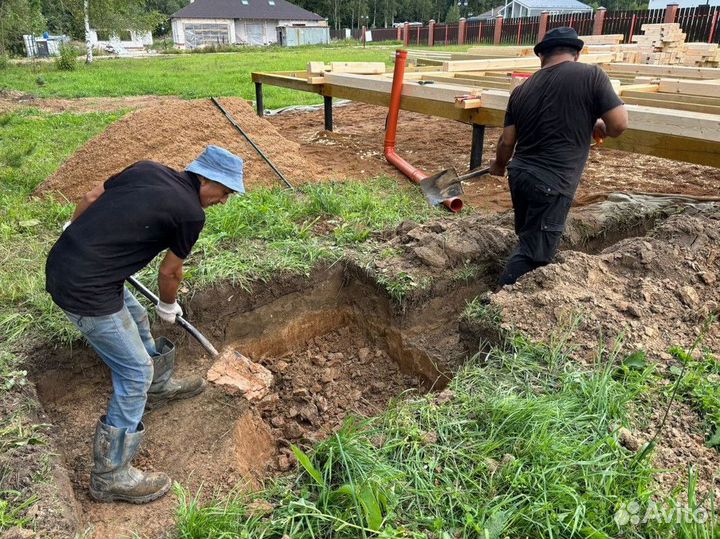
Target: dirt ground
(655, 289)
(174, 131)
(226, 441)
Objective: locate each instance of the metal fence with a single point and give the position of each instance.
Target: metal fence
(480, 33)
(699, 23)
(628, 23)
(520, 31)
(582, 22)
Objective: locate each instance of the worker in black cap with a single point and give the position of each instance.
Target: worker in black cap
(549, 124)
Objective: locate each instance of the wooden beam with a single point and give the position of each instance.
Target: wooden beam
(705, 88)
(434, 92)
(664, 71)
(649, 101)
(698, 100)
(649, 88)
(514, 63)
(287, 80)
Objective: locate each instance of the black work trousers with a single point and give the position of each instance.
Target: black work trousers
(540, 214)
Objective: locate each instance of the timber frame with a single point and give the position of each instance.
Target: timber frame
(674, 111)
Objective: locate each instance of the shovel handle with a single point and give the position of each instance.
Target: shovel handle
(474, 174)
(179, 320)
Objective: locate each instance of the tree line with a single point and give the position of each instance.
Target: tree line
(18, 17)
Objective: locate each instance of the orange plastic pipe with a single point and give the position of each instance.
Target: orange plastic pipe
(414, 173)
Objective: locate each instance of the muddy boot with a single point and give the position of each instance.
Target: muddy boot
(164, 387)
(113, 478)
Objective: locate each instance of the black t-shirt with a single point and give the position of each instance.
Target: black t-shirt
(554, 113)
(144, 210)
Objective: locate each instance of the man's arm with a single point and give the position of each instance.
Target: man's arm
(612, 124)
(169, 277)
(88, 200)
(505, 149)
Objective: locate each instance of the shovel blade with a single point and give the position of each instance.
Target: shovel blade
(441, 186)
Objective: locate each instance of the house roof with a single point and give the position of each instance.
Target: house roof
(549, 5)
(245, 9)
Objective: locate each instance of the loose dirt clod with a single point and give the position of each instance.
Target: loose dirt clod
(235, 373)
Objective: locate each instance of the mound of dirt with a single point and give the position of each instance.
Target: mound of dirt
(175, 131)
(655, 290)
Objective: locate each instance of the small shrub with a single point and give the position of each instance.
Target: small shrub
(4, 61)
(67, 60)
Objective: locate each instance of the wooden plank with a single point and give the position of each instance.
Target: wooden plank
(706, 88)
(514, 63)
(433, 92)
(500, 63)
(415, 104)
(360, 68)
(480, 83)
(699, 100)
(286, 81)
(664, 71)
(638, 88)
(676, 105)
(502, 51)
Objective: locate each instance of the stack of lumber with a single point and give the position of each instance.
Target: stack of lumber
(701, 55)
(660, 44)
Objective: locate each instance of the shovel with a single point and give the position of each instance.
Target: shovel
(179, 320)
(447, 184)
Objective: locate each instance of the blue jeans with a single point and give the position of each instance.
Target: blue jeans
(124, 342)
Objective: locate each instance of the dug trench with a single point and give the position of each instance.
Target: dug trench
(335, 344)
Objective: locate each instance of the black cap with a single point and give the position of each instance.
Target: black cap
(559, 37)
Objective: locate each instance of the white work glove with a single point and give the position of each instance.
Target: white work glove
(168, 311)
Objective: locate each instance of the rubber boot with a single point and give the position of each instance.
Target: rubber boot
(164, 387)
(113, 478)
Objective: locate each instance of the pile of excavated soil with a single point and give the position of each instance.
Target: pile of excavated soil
(654, 292)
(174, 133)
(315, 388)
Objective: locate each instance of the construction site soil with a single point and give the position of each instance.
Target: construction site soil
(337, 344)
(174, 131)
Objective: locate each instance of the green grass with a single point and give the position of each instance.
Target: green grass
(699, 386)
(524, 446)
(185, 75)
(250, 238)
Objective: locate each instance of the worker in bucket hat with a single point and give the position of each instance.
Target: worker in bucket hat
(117, 229)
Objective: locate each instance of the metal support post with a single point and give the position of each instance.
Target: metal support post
(476, 150)
(328, 113)
(259, 99)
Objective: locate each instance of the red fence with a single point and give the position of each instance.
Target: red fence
(520, 31)
(628, 23)
(480, 33)
(699, 23)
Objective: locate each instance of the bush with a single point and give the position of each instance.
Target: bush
(67, 60)
(4, 60)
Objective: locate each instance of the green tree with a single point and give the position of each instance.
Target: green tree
(18, 17)
(113, 16)
(453, 14)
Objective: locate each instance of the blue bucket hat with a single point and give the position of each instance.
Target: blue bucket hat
(219, 165)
